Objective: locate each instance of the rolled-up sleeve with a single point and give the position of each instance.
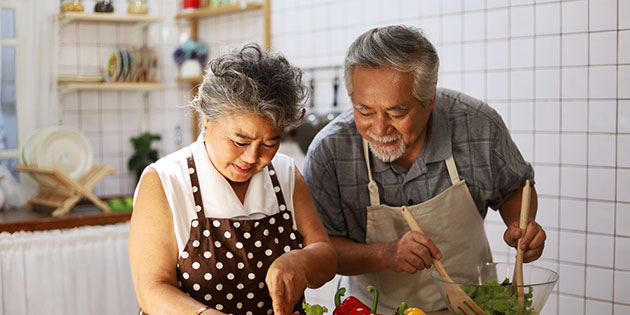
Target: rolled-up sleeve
(509, 168)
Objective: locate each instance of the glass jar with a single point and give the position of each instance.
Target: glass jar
(137, 7)
(71, 6)
(104, 6)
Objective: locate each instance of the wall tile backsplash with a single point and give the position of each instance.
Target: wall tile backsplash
(558, 72)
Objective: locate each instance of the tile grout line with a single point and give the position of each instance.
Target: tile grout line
(614, 256)
(588, 129)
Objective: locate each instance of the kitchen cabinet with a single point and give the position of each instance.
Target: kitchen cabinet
(239, 6)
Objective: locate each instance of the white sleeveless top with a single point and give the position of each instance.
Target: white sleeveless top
(219, 199)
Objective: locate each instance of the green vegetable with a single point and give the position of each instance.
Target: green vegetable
(495, 298)
(117, 204)
(314, 309)
(401, 308)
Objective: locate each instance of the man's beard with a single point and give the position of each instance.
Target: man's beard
(389, 153)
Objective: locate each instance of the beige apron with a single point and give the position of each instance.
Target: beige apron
(450, 219)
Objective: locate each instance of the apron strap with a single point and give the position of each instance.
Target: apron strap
(276, 187)
(372, 188)
(452, 170)
(194, 181)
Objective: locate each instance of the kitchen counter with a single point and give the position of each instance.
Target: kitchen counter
(81, 215)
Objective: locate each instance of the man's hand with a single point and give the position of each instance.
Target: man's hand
(532, 243)
(412, 252)
(286, 280)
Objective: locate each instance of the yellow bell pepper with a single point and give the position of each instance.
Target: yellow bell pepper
(414, 311)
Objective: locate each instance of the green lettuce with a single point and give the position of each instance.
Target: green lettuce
(499, 298)
(314, 309)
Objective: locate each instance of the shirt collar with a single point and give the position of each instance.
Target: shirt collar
(437, 146)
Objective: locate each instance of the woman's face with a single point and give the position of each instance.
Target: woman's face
(240, 145)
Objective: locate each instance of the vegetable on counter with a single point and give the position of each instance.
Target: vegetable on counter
(352, 306)
(314, 309)
(121, 204)
(499, 298)
(401, 309)
(414, 311)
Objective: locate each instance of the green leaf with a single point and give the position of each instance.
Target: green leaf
(314, 309)
(143, 153)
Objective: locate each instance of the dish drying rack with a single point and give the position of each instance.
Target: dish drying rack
(58, 193)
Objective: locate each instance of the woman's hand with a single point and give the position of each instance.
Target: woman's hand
(286, 280)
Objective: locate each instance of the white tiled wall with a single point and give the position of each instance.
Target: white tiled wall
(557, 71)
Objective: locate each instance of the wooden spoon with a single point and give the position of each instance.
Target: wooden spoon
(517, 279)
(460, 301)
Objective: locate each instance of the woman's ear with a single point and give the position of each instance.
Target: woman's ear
(205, 122)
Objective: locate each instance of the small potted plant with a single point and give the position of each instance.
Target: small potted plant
(143, 154)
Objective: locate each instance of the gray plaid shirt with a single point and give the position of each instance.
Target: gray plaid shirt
(469, 129)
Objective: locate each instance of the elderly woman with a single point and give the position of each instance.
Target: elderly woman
(226, 225)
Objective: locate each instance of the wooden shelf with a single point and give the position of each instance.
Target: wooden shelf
(190, 79)
(112, 86)
(225, 9)
(67, 17)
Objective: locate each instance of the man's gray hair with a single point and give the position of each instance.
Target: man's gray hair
(251, 80)
(400, 47)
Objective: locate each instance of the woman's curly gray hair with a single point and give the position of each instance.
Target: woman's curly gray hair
(251, 80)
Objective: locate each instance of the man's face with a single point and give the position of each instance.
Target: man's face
(387, 115)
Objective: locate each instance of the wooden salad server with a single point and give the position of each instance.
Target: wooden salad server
(459, 300)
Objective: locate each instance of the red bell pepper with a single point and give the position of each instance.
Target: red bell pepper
(349, 304)
(352, 306)
(360, 311)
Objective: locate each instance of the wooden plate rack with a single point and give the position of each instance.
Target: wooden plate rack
(58, 193)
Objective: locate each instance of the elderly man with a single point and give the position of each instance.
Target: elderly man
(444, 155)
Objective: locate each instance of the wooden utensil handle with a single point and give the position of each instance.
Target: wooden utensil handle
(411, 221)
(413, 224)
(524, 219)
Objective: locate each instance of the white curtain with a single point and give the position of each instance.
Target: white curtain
(37, 30)
(38, 45)
(82, 270)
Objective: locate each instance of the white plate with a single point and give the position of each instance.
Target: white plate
(66, 149)
(33, 152)
(29, 153)
(25, 150)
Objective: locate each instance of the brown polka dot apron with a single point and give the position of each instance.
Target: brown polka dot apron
(225, 261)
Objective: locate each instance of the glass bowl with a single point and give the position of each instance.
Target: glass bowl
(495, 298)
